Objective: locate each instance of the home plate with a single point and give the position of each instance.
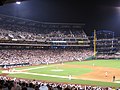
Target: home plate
(57, 70)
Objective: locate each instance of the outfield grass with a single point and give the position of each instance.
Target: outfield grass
(72, 71)
(103, 63)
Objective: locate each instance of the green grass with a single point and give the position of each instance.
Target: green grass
(73, 81)
(26, 67)
(103, 63)
(0, 71)
(72, 71)
(65, 72)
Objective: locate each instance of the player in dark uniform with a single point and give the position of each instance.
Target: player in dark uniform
(113, 78)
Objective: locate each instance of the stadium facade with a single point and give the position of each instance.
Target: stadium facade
(107, 45)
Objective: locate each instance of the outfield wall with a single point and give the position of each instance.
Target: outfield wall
(10, 65)
(92, 58)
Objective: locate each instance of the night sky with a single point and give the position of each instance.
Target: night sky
(96, 14)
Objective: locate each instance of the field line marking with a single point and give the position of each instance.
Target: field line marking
(41, 74)
(56, 76)
(34, 68)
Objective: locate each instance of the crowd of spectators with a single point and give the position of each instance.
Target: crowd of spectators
(15, 28)
(27, 36)
(21, 84)
(42, 56)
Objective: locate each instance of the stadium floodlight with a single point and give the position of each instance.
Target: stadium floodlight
(2, 2)
(18, 2)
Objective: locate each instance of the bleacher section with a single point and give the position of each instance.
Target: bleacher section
(36, 57)
(14, 30)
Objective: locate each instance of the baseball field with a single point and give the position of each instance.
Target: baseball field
(92, 72)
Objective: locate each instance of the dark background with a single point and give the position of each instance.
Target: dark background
(96, 14)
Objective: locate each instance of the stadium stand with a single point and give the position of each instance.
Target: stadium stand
(36, 57)
(22, 33)
(107, 45)
(18, 30)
